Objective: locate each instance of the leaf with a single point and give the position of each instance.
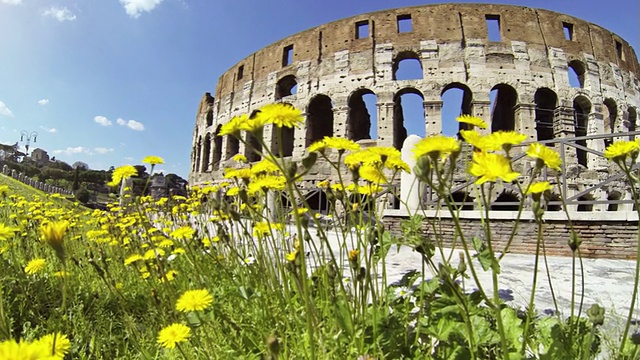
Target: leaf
(512, 326)
(484, 256)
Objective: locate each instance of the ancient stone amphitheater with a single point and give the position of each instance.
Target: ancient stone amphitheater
(551, 76)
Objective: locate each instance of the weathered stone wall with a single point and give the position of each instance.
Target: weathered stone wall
(615, 239)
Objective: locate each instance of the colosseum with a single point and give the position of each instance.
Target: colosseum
(551, 76)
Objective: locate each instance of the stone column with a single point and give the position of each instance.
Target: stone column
(433, 116)
(564, 127)
(525, 120)
(385, 123)
(340, 114)
(482, 109)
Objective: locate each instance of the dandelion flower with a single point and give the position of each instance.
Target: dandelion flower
(133, 258)
(282, 115)
(57, 345)
(539, 187)
(240, 158)
(121, 173)
(436, 146)
(194, 300)
(291, 257)
(173, 334)
(472, 120)
(546, 156)
(491, 167)
(53, 234)
(477, 140)
(185, 232)
(35, 266)
(233, 126)
(153, 160)
(372, 174)
(619, 150)
(6, 232)
(506, 139)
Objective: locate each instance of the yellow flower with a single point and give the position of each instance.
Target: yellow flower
(264, 166)
(490, 167)
(233, 126)
(266, 182)
(254, 122)
(194, 300)
(240, 158)
(35, 266)
(185, 232)
(291, 257)
(539, 187)
(472, 120)
(172, 335)
(436, 146)
(544, 155)
(12, 350)
(358, 158)
(478, 141)
(372, 174)
(53, 233)
(4, 190)
(264, 228)
(397, 164)
(282, 115)
(122, 172)
(341, 144)
(133, 258)
(301, 211)
(153, 160)
(60, 274)
(57, 345)
(619, 150)
(230, 173)
(506, 139)
(323, 184)
(6, 232)
(353, 255)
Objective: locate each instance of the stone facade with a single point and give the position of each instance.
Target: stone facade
(326, 70)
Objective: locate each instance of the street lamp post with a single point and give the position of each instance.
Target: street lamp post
(25, 134)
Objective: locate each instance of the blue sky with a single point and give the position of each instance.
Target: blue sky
(108, 82)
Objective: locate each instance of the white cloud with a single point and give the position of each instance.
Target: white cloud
(129, 158)
(102, 120)
(59, 13)
(11, 2)
(4, 110)
(71, 151)
(131, 124)
(134, 8)
(43, 102)
(52, 130)
(102, 150)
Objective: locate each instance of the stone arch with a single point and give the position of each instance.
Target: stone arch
(282, 140)
(198, 149)
(217, 148)
(359, 120)
(576, 71)
(585, 207)
(407, 66)
(632, 121)
(319, 121)
(461, 197)
(506, 196)
(504, 102)
(456, 98)
(613, 195)
(317, 200)
(286, 86)
(546, 102)
(581, 111)
(610, 115)
(206, 153)
(253, 147)
(399, 125)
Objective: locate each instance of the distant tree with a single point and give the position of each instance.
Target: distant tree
(142, 171)
(81, 165)
(83, 195)
(76, 179)
(58, 164)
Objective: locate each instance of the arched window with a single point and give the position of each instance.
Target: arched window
(610, 116)
(282, 140)
(209, 117)
(319, 119)
(546, 101)
(633, 119)
(613, 195)
(456, 101)
(576, 73)
(585, 207)
(198, 153)
(581, 111)
(317, 201)
(461, 198)
(503, 101)
(362, 120)
(206, 152)
(217, 149)
(408, 115)
(511, 200)
(407, 66)
(252, 148)
(233, 146)
(286, 86)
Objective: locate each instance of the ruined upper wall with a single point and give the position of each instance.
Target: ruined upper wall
(445, 23)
